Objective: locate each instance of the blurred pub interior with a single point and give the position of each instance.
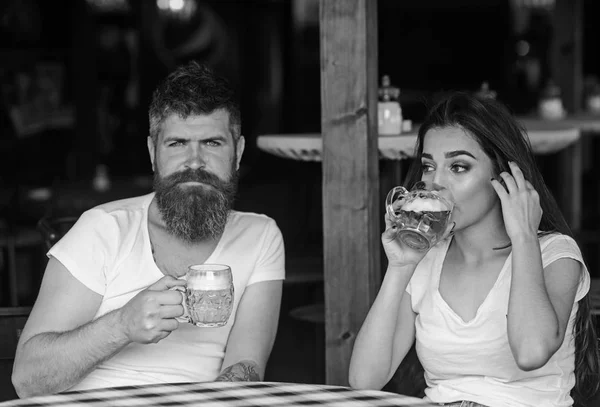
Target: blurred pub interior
(76, 78)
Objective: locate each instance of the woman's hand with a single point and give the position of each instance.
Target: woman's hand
(398, 253)
(520, 204)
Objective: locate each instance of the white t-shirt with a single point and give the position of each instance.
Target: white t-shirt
(108, 250)
(472, 360)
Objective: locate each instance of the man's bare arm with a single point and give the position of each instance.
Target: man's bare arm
(253, 334)
(60, 345)
(55, 361)
(244, 371)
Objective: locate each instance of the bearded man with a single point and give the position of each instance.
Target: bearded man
(106, 312)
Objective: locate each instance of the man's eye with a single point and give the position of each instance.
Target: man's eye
(175, 143)
(213, 143)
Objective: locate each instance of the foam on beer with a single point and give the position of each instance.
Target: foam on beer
(209, 282)
(424, 205)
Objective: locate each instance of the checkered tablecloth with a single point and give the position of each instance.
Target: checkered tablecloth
(223, 394)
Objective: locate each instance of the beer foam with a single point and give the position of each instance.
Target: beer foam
(208, 282)
(424, 205)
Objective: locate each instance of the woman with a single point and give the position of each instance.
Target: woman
(499, 309)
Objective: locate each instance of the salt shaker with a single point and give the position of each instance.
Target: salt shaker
(101, 181)
(389, 112)
(592, 101)
(485, 91)
(550, 106)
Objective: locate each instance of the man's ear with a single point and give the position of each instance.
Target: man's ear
(151, 151)
(239, 150)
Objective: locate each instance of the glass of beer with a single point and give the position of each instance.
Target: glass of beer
(421, 214)
(208, 296)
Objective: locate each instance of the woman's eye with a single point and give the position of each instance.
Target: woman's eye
(426, 168)
(459, 168)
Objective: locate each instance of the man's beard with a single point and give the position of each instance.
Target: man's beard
(194, 213)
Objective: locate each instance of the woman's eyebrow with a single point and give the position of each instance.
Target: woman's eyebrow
(451, 154)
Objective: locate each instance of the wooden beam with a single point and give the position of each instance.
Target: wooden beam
(567, 70)
(567, 52)
(348, 31)
(570, 170)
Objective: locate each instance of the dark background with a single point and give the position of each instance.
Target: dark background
(112, 53)
(269, 50)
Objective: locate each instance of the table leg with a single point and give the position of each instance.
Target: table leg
(570, 172)
(12, 272)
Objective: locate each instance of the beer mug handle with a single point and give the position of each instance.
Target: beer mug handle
(393, 201)
(186, 316)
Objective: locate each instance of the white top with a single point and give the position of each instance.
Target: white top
(108, 250)
(472, 360)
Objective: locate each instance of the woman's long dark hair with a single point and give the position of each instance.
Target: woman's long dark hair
(503, 139)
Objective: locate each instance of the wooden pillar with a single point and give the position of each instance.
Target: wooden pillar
(567, 69)
(567, 52)
(348, 31)
(570, 169)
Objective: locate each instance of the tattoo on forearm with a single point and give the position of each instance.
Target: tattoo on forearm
(240, 372)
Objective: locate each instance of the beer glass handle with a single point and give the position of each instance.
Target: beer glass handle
(186, 316)
(392, 201)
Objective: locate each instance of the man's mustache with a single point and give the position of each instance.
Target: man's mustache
(197, 175)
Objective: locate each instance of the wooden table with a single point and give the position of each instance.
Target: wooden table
(586, 122)
(575, 162)
(546, 137)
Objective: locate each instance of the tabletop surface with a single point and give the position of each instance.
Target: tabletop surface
(224, 394)
(546, 137)
(587, 122)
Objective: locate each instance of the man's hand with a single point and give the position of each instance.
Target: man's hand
(149, 317)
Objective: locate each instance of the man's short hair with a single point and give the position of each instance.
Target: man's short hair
(190, 90)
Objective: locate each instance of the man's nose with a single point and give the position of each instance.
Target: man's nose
(195, 157)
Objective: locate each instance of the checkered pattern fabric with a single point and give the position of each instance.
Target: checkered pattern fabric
(247, 394)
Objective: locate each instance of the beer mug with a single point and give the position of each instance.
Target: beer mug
(421, 214)
(208, 295)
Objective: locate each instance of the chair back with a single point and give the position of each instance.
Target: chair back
(12, 321)
(52, 229)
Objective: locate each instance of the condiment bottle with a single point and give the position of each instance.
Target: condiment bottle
(550, 106)
(485, 91)
(389, 112)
